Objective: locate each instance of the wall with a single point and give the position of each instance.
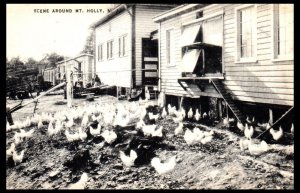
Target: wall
(115, 71)
(265, 81)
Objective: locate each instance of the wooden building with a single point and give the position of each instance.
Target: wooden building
(124, 45)
(50, 75)
(82, 67)
(239, 52)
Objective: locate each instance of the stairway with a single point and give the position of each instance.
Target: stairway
(228, 99)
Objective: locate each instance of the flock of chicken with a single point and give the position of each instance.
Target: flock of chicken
(249, 128)
(75, 122)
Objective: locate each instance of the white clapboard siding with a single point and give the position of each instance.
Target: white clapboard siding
(109, 70)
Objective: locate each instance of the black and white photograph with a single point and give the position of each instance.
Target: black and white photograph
(150, 96)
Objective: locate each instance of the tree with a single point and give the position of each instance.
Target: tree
(31, 63)
(15, 62)
(89, 44)
(52, 59)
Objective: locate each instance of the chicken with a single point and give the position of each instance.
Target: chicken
(82, 134)
(17, 138)
(40, 124)
(18, 158)
(58, 127)
(148, 129)
(248, 132)
(292, 128)
(72, 137)
(276, 134)
(178, 119)
(157, 132)
(8, 128)
(147, 93)
(190, 113)
(171, 110)
(28, 134)
(80, 185)
(226, 122)
(240, 126)
(179, 129)
(244, 144)
(258, 149)
(204, 115)
(109, 136)
(160, 100)
(11, 149)
(70, 123)
(95, 132)
(197, 116)
(183, 113)
(206, 139)
(51, 130)
(164, 113)
(163, 168)
(85, 120)
(128, 160)
(140, 124)
(27, 123)
(194, 137)
(153, 117)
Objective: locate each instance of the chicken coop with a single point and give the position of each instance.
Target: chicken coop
(238, 54)
(129, 52)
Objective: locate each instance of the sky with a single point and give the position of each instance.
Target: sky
(30, 33)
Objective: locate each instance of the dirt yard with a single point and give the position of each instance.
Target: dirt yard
(220, 164)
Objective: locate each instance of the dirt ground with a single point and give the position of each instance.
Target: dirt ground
(220, 164)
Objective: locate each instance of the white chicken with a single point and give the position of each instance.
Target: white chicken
(147, 93)
(28, 134)
(276, 134)
(85, 120)
(157, 132)
(27, 123)
(8, 128)
(51, 130)
(190, 113)
(163, 168)
(248, 132)
(82, 134)
(128, 160)
(95, 132)
(178, 119)
(140, 124)
(17, 138)
(71, 137)
(164, 113)
(153, 117)
(70, 122)
(40, 123)
(197, 116)
(292, 128)
(226, 122)
(240, 126)
(18, 158)
(80, 185)
(258, 149)
(183, 113)
(194, 137)
(109, 136)
(58, 127)
(244, 144)
(11, 149)
(179, 129)
(206, 139)
(204, 115)
(148, 129)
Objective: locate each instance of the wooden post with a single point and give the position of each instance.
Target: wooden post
(220, 108)
(69, 89)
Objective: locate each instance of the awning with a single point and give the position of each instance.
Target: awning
(189, 34)
(189, 60)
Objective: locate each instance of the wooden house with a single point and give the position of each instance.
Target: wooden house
(125, 47)
(50, 75)
(82, 67)
(240, 53)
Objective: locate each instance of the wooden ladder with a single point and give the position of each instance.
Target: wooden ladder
(228, 99)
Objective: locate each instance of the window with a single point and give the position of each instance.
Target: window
(122, 45)
(170, 47)
(283, 31)
(246, 34)
(100, 52)
(109, 49)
